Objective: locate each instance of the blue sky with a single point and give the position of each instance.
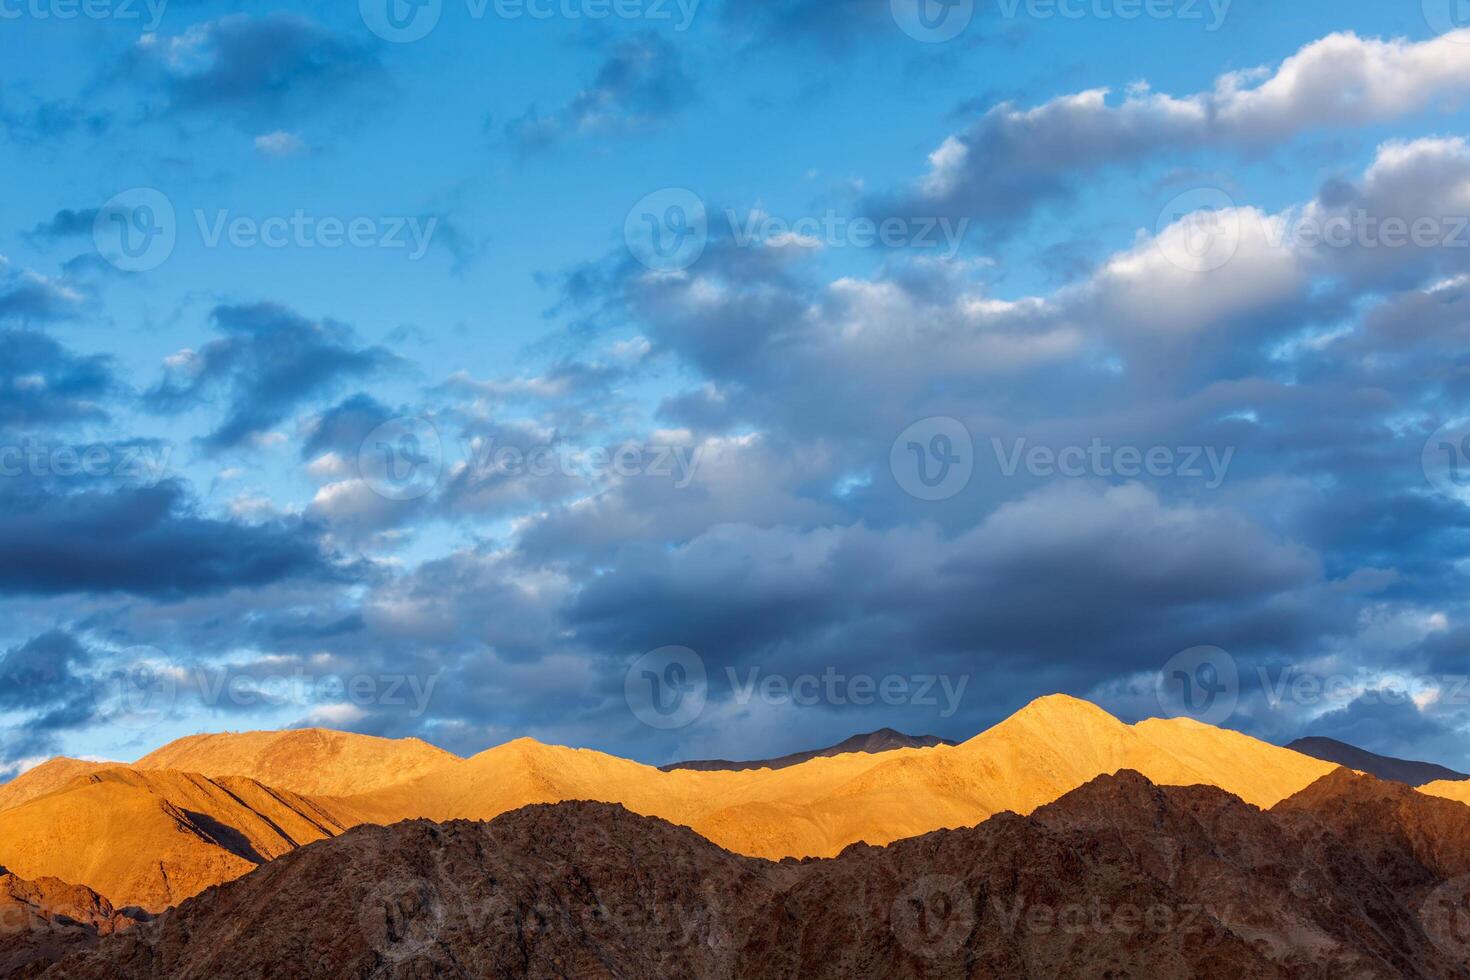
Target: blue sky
(840, 459)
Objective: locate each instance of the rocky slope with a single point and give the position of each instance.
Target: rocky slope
(1118, 879)
(883, 740)
(152, 839)
(42, 921)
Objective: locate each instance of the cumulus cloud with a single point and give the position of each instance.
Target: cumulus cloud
(1015, 158)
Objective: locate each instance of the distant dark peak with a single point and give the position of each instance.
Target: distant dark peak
(883, 740)
(1384, 767)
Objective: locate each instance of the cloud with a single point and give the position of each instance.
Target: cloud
(279, 144)
(27, 297)
(642, 83)
(274, 65)
(44, 680)
(1013, 159)
(270, 362)
(43, 382)
(142, 541)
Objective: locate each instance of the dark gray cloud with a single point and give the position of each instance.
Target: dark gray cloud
(344, 426)
(142, 541)
(42, 381)
(270, 362)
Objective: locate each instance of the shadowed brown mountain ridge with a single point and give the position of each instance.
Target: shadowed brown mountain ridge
(42, 921)
(1118, 879)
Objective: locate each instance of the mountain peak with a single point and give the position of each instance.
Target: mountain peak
(1063, 709)
(1382, 766)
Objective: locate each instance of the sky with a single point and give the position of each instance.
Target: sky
(722, 378)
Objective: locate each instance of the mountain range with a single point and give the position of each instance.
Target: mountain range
(1119, 878)
(166, 832)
